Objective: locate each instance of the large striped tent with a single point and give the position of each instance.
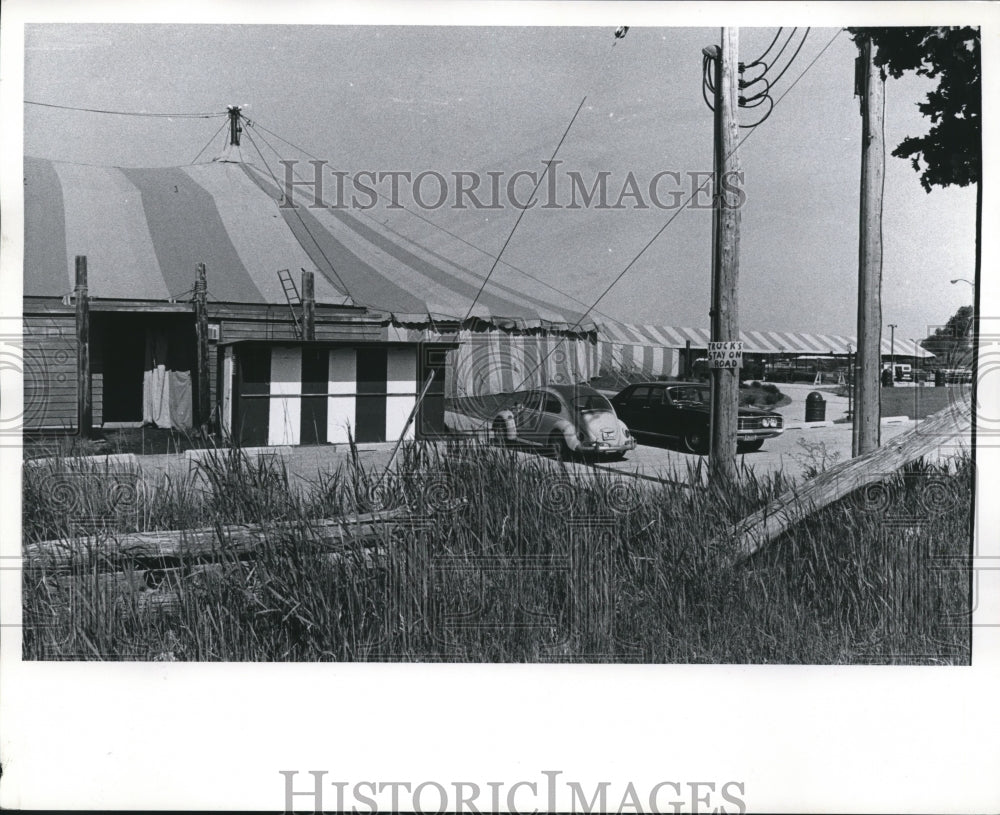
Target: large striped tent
(655, 350)
(143, 231)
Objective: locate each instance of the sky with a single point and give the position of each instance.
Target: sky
(499, 99)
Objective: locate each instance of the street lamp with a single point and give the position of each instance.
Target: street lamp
(963, 280)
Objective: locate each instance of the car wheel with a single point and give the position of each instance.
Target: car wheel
(696, 441)
(749, 446)
(558, 448)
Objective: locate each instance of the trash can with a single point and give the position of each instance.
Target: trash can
(815, 407)
(939, 378)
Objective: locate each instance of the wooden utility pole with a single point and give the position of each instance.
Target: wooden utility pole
(870, 86)
(726, 261)
(892, 352)
(84, 393)
(308, 305)
(235, 128)
(201, 334)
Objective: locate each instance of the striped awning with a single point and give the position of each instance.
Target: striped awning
(143, 231)
(495, 361)
(754, 342)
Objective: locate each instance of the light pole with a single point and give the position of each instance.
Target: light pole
(892, 350)
(963, 280)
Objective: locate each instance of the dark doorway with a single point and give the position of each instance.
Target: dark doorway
(119, 348)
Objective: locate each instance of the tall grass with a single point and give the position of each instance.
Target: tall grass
(508, 558)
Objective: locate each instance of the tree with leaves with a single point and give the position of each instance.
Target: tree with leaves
(951, 151)
(952, 342)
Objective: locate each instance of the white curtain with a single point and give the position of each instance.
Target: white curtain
(166, 394)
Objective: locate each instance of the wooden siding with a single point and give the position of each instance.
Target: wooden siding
(50, 347)
(49, 365)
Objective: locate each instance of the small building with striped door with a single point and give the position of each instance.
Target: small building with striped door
(301, 392)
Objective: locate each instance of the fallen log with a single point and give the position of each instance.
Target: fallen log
(934, 432)
(160, 590)
(206, 543)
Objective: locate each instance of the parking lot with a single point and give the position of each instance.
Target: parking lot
(801, 447)
(792, 452)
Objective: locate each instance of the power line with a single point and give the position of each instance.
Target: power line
(701, 187)
(792, 59)
(760, 59)
(128, 112)
(673, 217)
(805, 70)
(782, 51)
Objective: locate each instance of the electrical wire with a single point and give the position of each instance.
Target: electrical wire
(782, 51)
(673, 217)
(792, 59)
(128, 112)
(760, 59)
(762, 118)
(822, 51)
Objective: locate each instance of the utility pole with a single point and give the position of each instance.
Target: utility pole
(869, 84)
(235, 128)
(308, 305)
(892, 351)
(202, 361)
(84, 392)
(725, 261)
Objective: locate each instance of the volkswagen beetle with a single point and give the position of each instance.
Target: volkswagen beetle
(566, 421)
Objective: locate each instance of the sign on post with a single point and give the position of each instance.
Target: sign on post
(725, 354)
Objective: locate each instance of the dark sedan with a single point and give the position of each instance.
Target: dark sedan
(680, 410)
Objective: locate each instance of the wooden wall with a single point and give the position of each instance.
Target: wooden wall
(49, 348)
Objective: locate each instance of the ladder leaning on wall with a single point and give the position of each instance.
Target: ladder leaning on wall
(293, 298)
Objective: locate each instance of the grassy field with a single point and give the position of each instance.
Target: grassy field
(513, 559)
(918, 402)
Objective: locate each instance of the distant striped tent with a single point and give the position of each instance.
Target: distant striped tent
(655, 350)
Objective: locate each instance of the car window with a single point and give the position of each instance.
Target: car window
(593, 402)
(690, 395)
(552, 404)
(531, 401)
(640, 395)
